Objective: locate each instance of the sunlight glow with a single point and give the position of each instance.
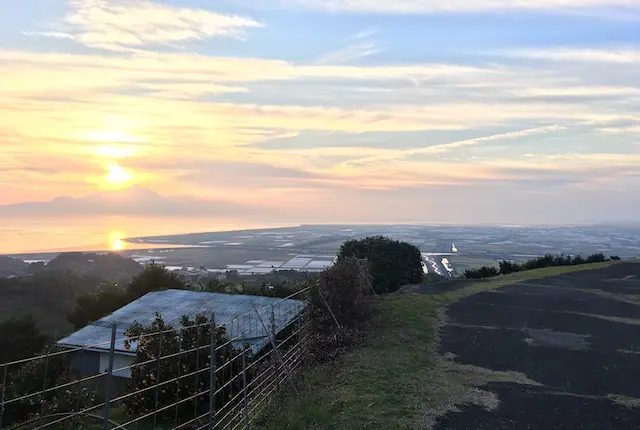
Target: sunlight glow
(118, 177)
(115, 241)
(112, 136)
(114, 152)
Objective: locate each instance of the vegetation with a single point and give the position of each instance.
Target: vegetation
(20, 337)
(47, 296)
(31, 377)
(92, 306)
(12, 267)
(110, 297)
(548, 260)
(282, 284)
(108, 267)
(194, 340)
(482, 272)
(340, 304)
(392, 263)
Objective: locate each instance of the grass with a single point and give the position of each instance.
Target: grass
(396, 379)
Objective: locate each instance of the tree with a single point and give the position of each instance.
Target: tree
(20, 337)
(92, 306)
(392, 263)
(154, 277)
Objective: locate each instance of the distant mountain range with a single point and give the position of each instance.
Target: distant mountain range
(135, 200)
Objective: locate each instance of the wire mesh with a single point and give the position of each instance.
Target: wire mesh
(202, 375)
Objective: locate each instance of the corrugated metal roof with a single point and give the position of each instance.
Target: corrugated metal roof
(234, 311)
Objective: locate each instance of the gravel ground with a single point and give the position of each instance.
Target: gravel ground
(578, 335)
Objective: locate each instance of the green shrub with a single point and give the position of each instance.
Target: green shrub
(482, 272)
(392, 263)
(29, 378)
(507, 267)
(340, 303)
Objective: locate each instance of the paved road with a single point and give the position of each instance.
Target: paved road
(578, 335)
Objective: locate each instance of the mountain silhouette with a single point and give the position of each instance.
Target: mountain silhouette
(135, 200)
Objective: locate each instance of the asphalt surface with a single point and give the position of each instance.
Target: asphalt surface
(578, 335)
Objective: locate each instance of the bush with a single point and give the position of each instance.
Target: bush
(194, 339)
(482, 272)
(340, 303)
(615, 258)
(29, 379)
(507, 267)
(596, 258)
(392, 263)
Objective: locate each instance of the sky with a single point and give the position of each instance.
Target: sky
(487, 111)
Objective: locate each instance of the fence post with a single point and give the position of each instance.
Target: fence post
(155, 406)
(244, 384)
(212, 370)
(44, 381)
(272, 339)
(2, 393)
(107, 385)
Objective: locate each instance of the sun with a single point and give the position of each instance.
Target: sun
(115, 241)
(118, 177)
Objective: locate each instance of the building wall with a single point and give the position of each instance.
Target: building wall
(119, 361)
(92, 362)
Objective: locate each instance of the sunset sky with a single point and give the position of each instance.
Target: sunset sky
(344, 110)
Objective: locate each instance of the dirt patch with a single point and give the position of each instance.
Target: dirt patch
(556, 339)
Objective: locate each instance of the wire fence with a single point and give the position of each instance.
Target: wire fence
(204, 374)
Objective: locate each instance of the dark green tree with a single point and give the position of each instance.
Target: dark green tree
(20, 337)
(392, 263)
(100, 303)
(154, 277)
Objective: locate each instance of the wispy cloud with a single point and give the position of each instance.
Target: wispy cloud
(438, 149)
(464, 6)
(359, 45)
(52, 34)
(612, 55)
(124, 25)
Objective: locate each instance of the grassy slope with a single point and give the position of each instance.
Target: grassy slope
(395, 380)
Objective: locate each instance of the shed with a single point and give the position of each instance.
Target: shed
(234, 311)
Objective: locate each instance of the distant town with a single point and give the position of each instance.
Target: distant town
(447, 250)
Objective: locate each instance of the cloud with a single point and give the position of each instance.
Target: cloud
(464, 6)
(360, 45)
(595, 55)
(124, 25)
(437, 149)
(52, 34)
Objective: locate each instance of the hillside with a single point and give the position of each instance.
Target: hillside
(12, 267)
(49, 292)
(436, 360)
(48, 296)
(108, 267)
